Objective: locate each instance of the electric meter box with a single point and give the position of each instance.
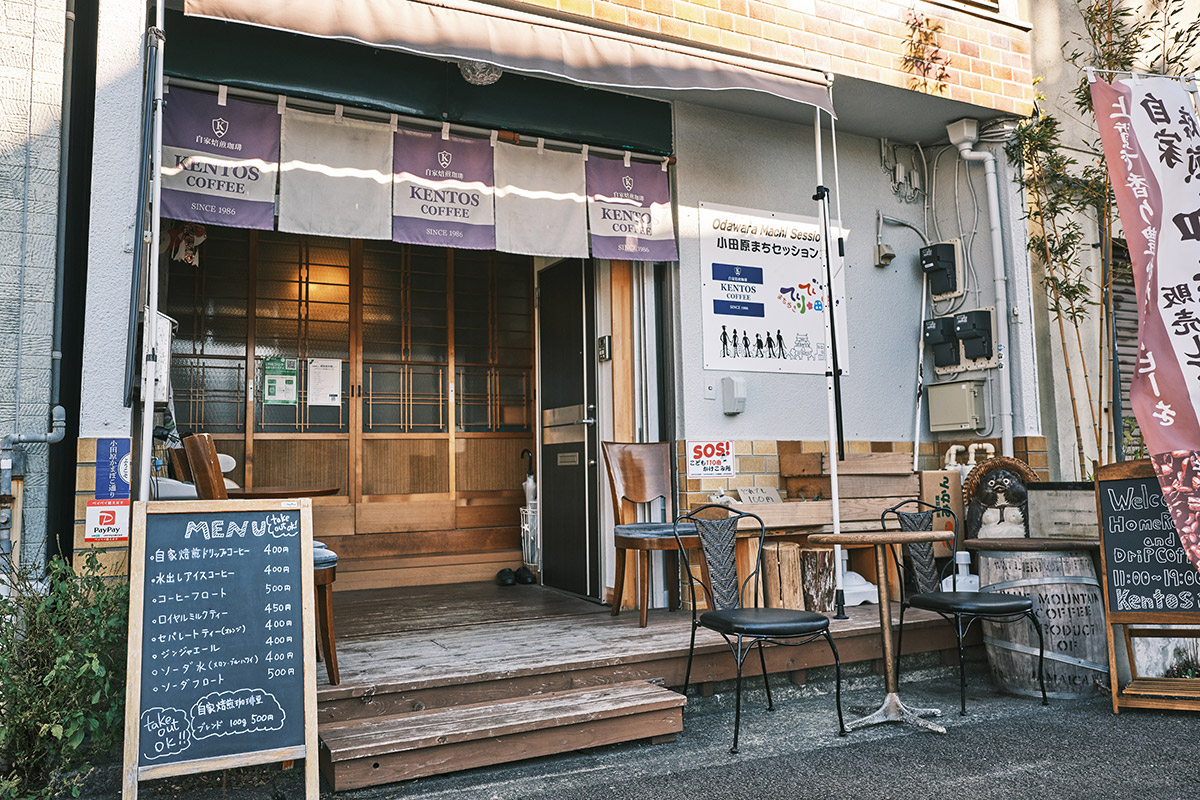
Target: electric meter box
(942, 264)
(956, 406)
(974, 330)
(939, 334)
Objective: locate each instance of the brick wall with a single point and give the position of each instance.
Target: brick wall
(989, 56)
(756, 462)
(31, 62)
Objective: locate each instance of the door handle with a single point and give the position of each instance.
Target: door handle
(585, 421)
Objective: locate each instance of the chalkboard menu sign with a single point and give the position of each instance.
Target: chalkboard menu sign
(1148, 581)
(222, 651)
(1146, 567)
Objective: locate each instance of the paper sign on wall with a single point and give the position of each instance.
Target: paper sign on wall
(710, 459)
(279, 381)
(324, 381)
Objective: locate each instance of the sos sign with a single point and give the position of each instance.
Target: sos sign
(710, 459)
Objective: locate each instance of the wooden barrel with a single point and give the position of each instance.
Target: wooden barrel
(1067, 601)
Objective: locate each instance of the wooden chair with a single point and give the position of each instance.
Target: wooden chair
(210, 485)
(205, 466)
(179, 464)
(641, 473)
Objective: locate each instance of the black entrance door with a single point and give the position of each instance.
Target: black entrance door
(567, 389)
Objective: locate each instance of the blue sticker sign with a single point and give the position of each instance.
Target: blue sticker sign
(114, 464)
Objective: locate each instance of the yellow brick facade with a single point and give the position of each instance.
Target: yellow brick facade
(989, 56)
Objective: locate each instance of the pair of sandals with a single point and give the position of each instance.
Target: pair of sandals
(508, 577)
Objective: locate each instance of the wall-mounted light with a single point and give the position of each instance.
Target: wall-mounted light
(479, 73)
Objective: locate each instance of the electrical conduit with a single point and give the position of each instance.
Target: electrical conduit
(1000, 281)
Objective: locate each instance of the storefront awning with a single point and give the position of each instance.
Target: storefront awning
(526, 43)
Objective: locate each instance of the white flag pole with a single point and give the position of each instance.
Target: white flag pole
(831, 372)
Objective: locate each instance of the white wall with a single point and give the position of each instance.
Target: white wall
(744, 161)
(116, 145)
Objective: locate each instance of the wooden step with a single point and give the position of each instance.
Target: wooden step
(368, 752)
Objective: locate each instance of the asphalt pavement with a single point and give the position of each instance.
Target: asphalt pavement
(1007, 747)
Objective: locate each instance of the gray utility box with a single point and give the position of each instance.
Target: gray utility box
(956, 406)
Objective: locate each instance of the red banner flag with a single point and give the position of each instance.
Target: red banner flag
(1152, 144)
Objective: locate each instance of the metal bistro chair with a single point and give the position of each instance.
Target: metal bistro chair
(961, 607)
(743, 627)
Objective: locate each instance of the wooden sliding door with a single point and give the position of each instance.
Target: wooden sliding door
(436, 357)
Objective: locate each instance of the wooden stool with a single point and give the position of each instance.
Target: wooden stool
(324, 574)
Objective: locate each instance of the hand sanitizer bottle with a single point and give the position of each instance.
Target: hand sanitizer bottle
(964, 581)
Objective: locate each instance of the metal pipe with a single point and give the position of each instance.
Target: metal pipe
(58, 429)
(881, 219)
(150, 344)
(835, 433)
(60, 250)
(418, 122)
(1000, 281)
(153, 43)
(893, 221)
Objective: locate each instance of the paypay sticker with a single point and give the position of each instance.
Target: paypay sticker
(106, 521)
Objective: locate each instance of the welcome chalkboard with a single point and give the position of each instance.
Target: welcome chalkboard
(1145, 565)
(1148, 581)
(221, 655)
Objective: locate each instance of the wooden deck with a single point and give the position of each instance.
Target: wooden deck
(411, 650)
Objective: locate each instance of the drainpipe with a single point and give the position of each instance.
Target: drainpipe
(963, 135)
(58, 429)
(150, 340)
(60, 256)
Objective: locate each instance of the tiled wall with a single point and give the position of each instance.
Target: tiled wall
(756, 462)
(989, 55)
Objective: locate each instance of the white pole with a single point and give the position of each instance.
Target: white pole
(149, 346)
(833, 426)
(920, 373)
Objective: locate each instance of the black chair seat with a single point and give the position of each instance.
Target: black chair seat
(776, 622)
(654, 530)
(980, 603)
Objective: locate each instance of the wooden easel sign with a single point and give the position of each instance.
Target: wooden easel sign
(221, 663)
(1148, 580)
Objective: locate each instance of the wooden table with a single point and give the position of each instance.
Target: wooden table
(279, 492)
(892, 710)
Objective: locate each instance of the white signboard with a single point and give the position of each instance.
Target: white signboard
(106, 521)
(710, 459)
(763, 291)
(324, 381)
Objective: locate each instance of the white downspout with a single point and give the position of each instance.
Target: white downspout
(999, 278)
